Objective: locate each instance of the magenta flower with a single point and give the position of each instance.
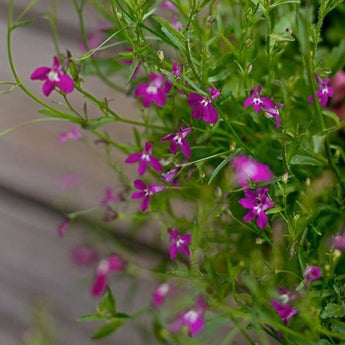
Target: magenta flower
(257, 202)
(63, 227)
(145, 158)
(84, 256)
(249, 169)
(339, 241)
(72, 134)
(192, 319)
(273, 112)
(160, 293)
(110, 197)
(202, 107)
(178, 139)
(176, 69)
(145, 192)
(169, 6)
(284, 307)
(257, 101)
(338, 84)
(312, 273)
(106, 266)
(179, 242)
(171, 175)
(53, 78)
(153, 92)
(324, 91)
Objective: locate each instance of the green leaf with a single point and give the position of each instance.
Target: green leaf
(332, 116)
(107, 303)
(333, 310)
(318, 142)
(305, 160)
(336, 58)
(89, 317)
(220, 167)
(108, 328)
(274, 210)
(283, 2)
(338, 326)
(173, 36)
(137, 137)
(60, 115)
(303, 34)
(95, 123)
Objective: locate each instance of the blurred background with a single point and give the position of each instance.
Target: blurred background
(42, 292)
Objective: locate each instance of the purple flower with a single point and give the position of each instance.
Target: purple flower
(257, 202)
(160, 293)
(175, 23)
(179, 242)
(191, 318)
(312, 273)
(72, 134)
(273, 112)
(63, 227)
(284, 307)
(169, 6)
(154, 91)
(324, 91)
(171, 175)
(202, 107)
(106, 266)
(109, 197)
(178, 139)
(145, 158)
(176, 69)
(249, 169)
(53, 77)
(145, 192)
(84, 256)
(257, 101)
(339, 241)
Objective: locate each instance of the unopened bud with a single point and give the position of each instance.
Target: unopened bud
(296, 217)
(160, 55)
(258, 240)
(285, 177)
(307, 182)
(249, 68)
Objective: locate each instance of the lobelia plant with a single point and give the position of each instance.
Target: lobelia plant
(257, 255)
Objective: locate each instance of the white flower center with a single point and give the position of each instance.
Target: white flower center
(152, 89)
(178, 139)
(257, 100)
(249, 169)
(179, 242)
(103, 267)
(145, 157)
(324, 90)
(205, 102)
(191, 316)
(53, 76)
(163, 289)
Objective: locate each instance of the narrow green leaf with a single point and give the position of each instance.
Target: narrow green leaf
(173, 36)
(336, 58)
(89, 317)
(305, 160)
(108, 328)
(107, 303)
(220, 166)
